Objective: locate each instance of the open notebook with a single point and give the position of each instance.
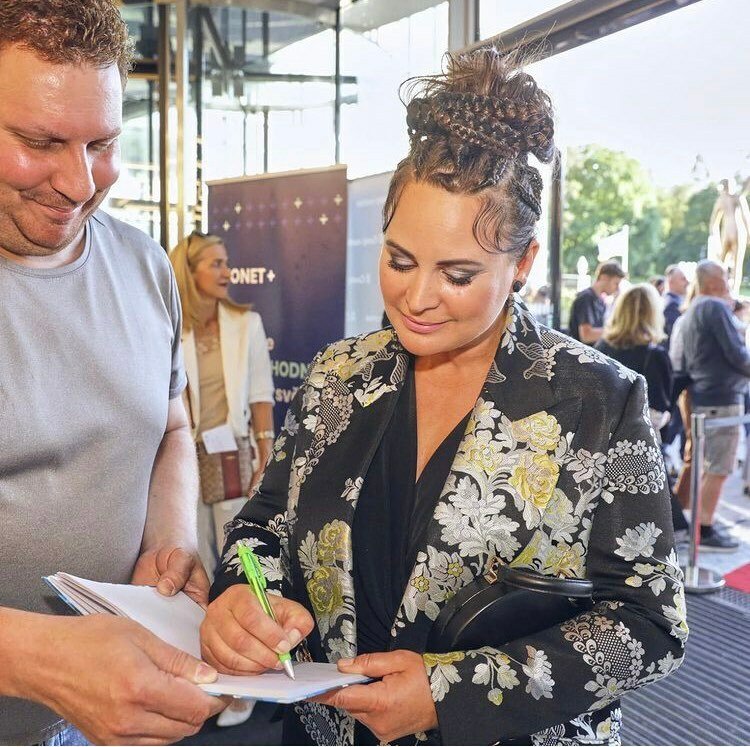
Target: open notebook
(177, 620)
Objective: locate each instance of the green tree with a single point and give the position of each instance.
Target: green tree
(686, 237)
(605, 190)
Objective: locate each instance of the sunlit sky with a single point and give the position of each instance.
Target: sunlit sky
(663, 91)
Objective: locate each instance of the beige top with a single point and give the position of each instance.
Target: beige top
(213, 397)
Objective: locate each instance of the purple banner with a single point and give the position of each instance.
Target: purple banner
(286, 239)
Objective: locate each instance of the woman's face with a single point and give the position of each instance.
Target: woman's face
(442, 291)
(211, 274)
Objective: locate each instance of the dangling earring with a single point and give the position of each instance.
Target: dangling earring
(517, 285)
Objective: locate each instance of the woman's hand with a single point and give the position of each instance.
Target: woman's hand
(399, 704)
(238, 637)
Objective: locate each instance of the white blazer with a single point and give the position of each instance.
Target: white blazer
(246, 364)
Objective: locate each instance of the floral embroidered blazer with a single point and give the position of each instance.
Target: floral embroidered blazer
(558, 471)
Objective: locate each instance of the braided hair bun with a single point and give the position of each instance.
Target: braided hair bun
(472, 129)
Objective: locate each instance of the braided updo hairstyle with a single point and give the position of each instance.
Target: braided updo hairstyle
(471, 131)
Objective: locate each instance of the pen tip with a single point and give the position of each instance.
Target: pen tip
(288, 669)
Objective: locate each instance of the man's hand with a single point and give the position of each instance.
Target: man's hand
(238, 637)
(172, 569)
(114, 680)
(399, 704)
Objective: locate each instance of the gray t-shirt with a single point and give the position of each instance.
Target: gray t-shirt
(89, 359)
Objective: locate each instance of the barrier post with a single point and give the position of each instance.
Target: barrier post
(698, 580)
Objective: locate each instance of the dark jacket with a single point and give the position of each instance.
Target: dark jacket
(651, 361)
(557, 471)
(672, 312)
(715, 355)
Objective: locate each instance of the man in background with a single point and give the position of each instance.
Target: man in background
(718, 364)
(97, 473)
(677, 284)
(589, 308)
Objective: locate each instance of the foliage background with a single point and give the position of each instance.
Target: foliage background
(606, 189)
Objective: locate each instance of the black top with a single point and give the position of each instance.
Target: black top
(392, 513)
(652, 361)
(588, 308)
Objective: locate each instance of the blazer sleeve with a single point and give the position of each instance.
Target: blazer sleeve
(262, 522)
(634, 634)
(259, 363)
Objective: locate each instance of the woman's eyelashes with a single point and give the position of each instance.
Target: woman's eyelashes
(451, 278)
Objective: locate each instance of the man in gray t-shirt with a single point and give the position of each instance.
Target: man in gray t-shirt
(97, 473)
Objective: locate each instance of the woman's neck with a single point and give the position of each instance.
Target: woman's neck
(207, 311)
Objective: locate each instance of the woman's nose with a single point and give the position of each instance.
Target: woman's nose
(422, 293)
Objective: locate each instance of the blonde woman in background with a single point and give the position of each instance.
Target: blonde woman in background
(229, 381)
(632, 337)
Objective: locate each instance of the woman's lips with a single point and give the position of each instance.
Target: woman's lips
(422, 328)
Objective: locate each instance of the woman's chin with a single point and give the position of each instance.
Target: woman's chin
(420, 344)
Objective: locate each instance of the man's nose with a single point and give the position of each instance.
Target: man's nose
(73, 177)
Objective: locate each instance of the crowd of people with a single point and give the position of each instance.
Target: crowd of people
(688, 340)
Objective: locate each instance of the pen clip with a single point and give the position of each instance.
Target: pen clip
(251, 565)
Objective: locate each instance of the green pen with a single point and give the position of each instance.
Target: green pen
(257, 581)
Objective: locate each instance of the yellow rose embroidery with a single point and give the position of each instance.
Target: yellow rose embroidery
(565, 560)
(324, 590)
(540, 430)
(535, 478)
(483, 455)
(333, 543)
(432, 660)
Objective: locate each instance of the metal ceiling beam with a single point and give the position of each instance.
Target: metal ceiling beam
(215, 42)
(577, 23)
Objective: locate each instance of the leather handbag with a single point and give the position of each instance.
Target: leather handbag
(505, 604)
(227, 474)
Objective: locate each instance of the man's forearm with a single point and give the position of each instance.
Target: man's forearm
(173, 494)
(21, 634)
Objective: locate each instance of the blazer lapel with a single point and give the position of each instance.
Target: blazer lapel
(354, 390)
(503, 478)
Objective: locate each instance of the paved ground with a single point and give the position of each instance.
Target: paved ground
(734, 511)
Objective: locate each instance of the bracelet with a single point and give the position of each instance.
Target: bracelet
(265, 435)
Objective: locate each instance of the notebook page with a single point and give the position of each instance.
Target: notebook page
(175, 620)
(311, 678)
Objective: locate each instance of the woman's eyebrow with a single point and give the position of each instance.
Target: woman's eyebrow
(469, 263)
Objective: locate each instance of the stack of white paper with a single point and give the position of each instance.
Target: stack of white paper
(177, 621)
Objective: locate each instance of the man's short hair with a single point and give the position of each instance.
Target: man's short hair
(671, 269)
(611, 269)
(707, 270)
(82, 32)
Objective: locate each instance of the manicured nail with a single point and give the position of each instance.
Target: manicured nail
(283, 646)
(205, 674)
(165, 586)
(294, 637)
